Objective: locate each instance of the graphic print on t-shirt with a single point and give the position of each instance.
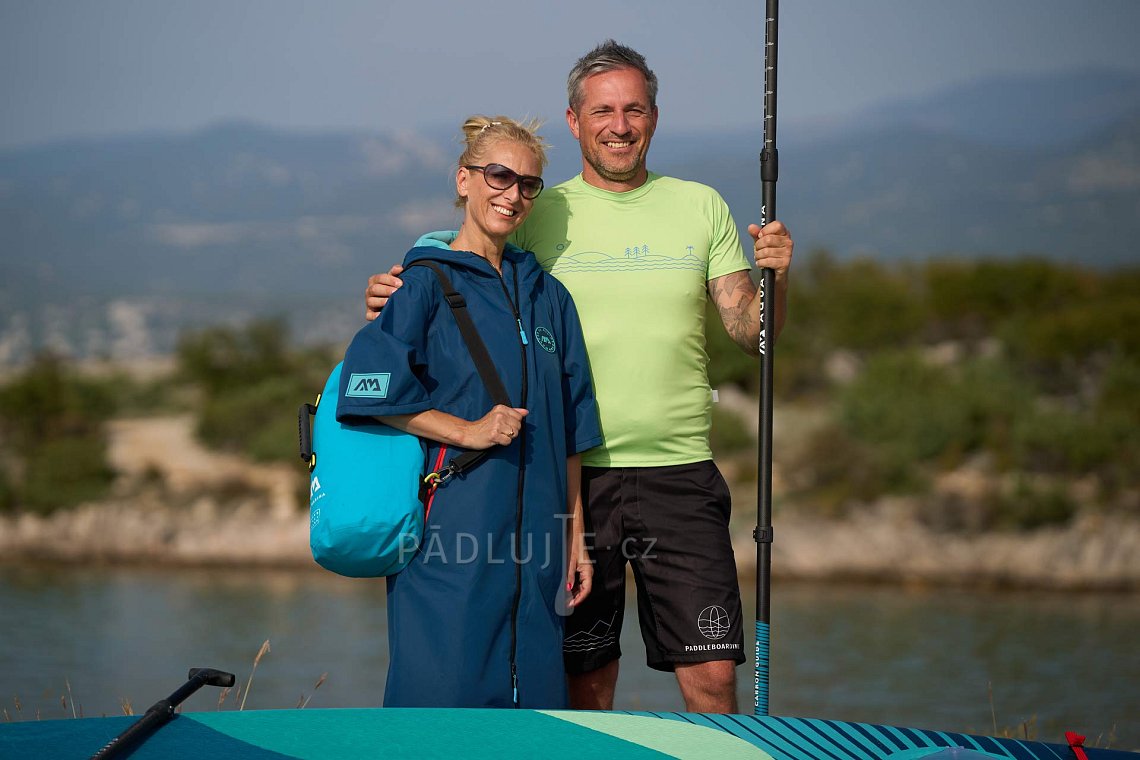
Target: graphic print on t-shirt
(635, 257)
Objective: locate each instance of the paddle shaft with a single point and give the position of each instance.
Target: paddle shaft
(769, 172)
(160, 713)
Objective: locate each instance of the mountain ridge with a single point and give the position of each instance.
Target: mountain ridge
(241, 219)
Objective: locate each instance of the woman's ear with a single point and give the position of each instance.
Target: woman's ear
(462, 175)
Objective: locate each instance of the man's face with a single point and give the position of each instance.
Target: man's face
(614, 124)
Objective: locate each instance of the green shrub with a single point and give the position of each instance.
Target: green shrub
(49, 401)
(1119, 396)
(980, 293)
(910, 409)
(65, 472)
(1026, 507)
(1075, 333)
(252, 386)
(833, 469)
(54, 434)
(8, 499)
(259, 421)
(729, 434)
(221, 359)
(859, 305)
(1030, 507)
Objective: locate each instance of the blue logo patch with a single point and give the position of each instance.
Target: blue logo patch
(545, 339)
(369, 385)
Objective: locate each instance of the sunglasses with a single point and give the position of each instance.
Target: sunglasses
(501, 178)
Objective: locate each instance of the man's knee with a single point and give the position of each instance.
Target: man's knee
(716, 673)
(594, 689)
(708, 686)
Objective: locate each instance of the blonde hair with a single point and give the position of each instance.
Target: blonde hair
(480, 132)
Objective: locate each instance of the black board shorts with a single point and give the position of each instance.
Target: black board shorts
(671, 525)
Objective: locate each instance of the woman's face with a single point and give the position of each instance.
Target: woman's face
(497, 213)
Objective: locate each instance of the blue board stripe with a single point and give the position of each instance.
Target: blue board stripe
(838, 738)
(917, 737)
(737, 727)
(938, 738)
(988, 744)
(793, 746)
(776, 745)
(961, 740)
(855, 739)
(904, 741)
(701, 719)
(1018, 751)
(873, 736)
(1064, 754)
(819, 739)
(803, 727)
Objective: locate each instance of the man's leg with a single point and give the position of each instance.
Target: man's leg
(708, 687)
(590, 646)
(594, 690)
(687, 592)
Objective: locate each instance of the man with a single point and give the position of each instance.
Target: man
(639, 252)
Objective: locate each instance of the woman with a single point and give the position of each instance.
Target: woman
(474, 620)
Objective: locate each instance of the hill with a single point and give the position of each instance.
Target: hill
(111, 246)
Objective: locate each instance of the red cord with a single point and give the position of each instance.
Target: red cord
(435, 483)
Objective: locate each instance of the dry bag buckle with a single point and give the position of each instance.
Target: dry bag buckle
(434, 479)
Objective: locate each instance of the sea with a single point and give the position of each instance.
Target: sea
(91, 640)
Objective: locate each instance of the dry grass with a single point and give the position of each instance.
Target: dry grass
(69, 706)
(256, 660)
(304, 701)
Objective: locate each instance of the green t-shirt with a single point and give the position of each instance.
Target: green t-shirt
(637, 264)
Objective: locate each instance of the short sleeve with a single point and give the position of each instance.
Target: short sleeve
(580, 409)
(384, 363)
(726, 254)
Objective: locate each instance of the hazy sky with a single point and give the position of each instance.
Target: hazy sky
(79, 67)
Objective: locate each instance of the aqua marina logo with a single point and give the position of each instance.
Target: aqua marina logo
(545, 339)
(373, 385)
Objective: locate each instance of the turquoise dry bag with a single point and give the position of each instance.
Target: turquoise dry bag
(366, 517)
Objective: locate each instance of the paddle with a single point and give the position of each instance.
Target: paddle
(769, 171)
(160, 713)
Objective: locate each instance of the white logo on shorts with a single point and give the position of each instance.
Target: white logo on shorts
(713, 622)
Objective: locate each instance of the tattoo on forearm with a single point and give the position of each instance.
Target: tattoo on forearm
(732, 295)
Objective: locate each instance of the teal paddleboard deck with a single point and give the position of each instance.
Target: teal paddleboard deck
(349, 734)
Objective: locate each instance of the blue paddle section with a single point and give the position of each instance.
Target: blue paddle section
(760, 688)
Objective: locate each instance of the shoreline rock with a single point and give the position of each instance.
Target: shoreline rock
(176, 504)
(1094, 553)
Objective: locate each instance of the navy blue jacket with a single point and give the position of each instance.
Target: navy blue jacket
(477, 613)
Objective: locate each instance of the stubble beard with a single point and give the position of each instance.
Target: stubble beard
(613, 173)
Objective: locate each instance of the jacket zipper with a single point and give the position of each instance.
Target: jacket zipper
(522, 480)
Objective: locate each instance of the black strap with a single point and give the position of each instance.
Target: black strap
(475, 346)
(479, 354)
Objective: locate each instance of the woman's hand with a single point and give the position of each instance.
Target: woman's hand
(580, 570)
(498, 427)
(580, 574)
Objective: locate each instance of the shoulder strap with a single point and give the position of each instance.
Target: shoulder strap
(475, 345)
(483, 364)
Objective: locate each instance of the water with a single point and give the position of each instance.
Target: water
(883, 655)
